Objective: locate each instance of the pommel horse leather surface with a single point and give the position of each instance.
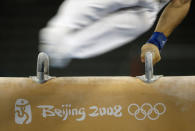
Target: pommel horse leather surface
(97, 104)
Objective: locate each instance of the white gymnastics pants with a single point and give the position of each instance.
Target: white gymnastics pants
(87, 28)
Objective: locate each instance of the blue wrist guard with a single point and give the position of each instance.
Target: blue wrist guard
(158, 39)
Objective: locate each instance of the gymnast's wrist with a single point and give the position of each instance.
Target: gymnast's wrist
(158, 39)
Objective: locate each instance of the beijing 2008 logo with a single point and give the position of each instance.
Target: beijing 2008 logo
(23, 114)
(147, 111)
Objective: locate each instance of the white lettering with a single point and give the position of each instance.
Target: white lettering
(65, 112)
(94, 114)
(103, 111)
(46, 112)
(118, 112)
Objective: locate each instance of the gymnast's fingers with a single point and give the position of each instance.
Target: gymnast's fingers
(150, 48)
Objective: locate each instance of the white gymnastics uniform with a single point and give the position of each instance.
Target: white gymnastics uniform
(87, 28)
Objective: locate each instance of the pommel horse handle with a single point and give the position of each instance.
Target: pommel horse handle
(148, 66)
(42, 68)
(149, 77)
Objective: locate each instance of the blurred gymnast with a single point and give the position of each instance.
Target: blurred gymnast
(88, 28)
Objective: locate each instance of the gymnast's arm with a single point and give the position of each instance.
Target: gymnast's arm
(171, 17)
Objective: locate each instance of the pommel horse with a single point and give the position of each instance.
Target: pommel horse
(145, 103)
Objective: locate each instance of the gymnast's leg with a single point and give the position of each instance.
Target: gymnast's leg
(109, 33)
(95, 32)
(74, 15)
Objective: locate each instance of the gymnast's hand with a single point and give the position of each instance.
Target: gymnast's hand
(172, 15)
(153, 49)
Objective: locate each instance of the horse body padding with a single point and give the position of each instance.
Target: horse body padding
(98, 104)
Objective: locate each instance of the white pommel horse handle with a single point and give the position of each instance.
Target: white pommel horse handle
(149, 77)
(42, 68)
(148, 66)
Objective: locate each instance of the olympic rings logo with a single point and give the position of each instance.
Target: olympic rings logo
(147, 110)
